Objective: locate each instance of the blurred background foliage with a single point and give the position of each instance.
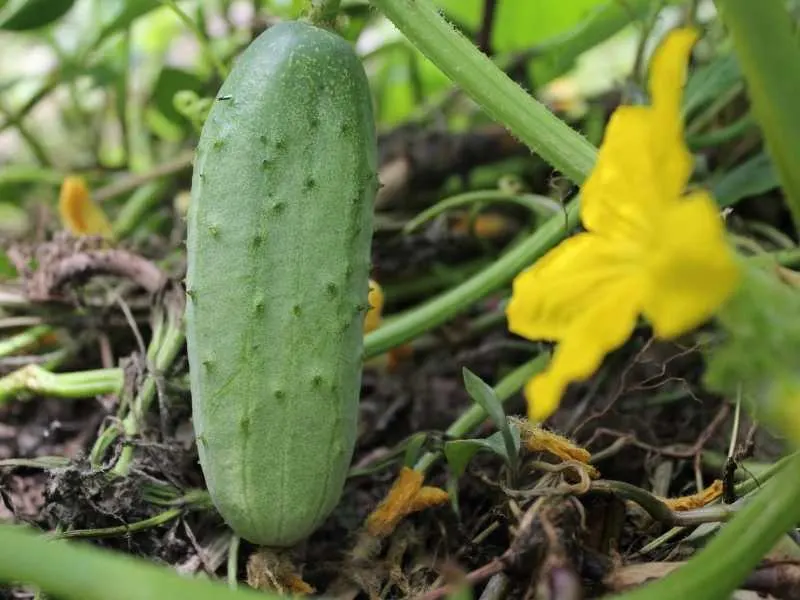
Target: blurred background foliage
(101, 87)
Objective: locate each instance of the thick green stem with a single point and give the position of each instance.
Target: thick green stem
(766, 47)
(719, 568)
(139, 206)
(23, 340)
(533, 202)
(165, 353)
(402, 328)
(493, 90)
(33, 379)
(76, 571)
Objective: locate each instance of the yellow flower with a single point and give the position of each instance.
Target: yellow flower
(80, 215)
(648, 249)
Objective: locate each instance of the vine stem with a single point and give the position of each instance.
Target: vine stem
(81, 384)
(529, 120)
(721, 566)
(501, 98)
(407, 326)
(75, 570)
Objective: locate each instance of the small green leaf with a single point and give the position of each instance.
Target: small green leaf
(483, 394)
(23, 15)
(458, 453)
(759, 357)
(452, 493)
(709, 82)
(413, 448)
(752, 177)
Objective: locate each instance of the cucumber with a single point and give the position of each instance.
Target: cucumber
(278, 244)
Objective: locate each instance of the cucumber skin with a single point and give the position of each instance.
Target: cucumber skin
(278, 244)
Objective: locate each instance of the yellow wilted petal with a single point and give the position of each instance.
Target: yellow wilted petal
(537, 439)
(692, 267)
(604, 327)
(621, 195)
(375, 300)
(698, 500)
(564, 285)
(79, 214)
(406, 496)
(667, 77)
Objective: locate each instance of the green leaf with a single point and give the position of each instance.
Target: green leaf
(458, 453)
(707, 83)
(483, 394)
(518, 25)
(766, 45)
(759, 357)
(171, 81)
(754, 176)
(414, 447)
(24, 15)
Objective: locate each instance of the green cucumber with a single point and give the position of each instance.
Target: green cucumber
(279, 234)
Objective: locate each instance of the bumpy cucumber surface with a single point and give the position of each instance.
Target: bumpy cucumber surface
(279, 233)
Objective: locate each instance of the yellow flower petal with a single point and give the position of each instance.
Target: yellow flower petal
(667, 77)
(79, 214)
(692, 267)
(643, 162)
(647, 251)
(621, 197)
(564, 285)
(598, 331)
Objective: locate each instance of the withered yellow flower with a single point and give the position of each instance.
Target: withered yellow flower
(649, 248)
(406, 496)
(375, 311)
(80, 215)
(698, 500)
